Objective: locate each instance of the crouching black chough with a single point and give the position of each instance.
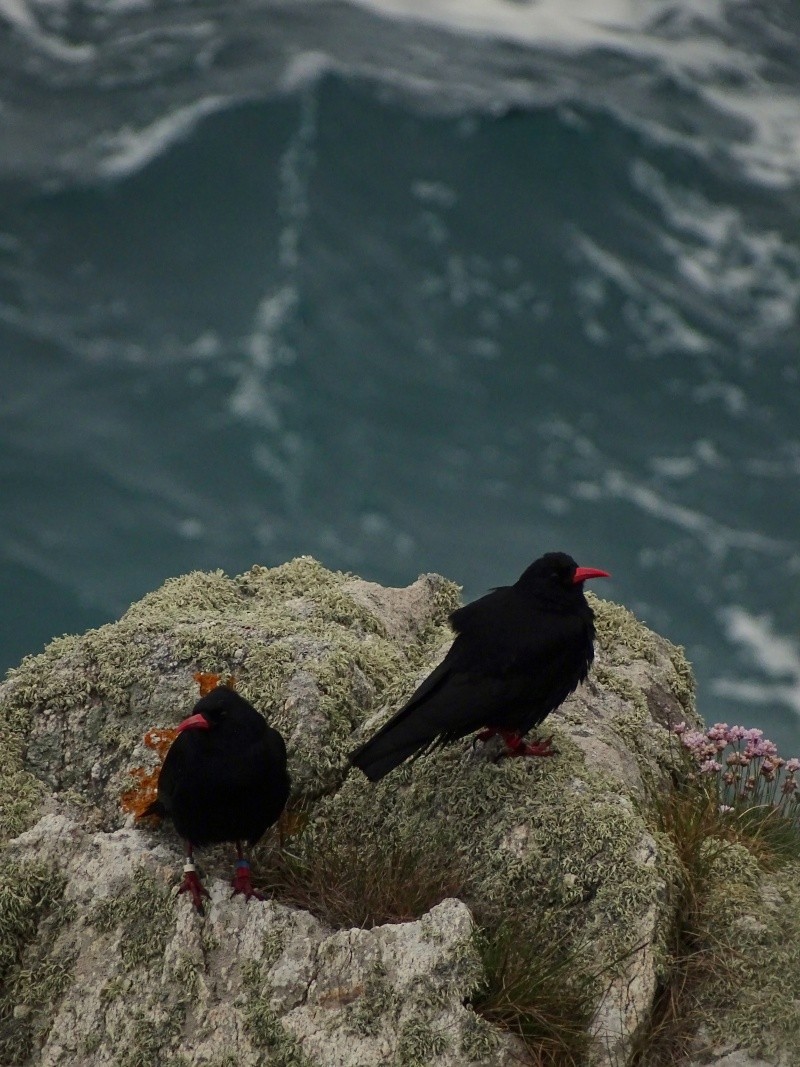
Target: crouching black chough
(224, 778)
(519, 652)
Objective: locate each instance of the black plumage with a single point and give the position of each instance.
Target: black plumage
(224, 778)
(518, 653)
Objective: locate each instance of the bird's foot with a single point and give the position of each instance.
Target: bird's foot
(515, 746)
(535, 748)
(191, 884)
(241, 882)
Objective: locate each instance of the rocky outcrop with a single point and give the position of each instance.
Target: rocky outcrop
(100, 963)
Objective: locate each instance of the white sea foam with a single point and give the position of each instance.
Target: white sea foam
(305, 69)
(715, 536)
(686, 39)
(257, 395)
(772, 153)
(565, 23)
(128, 150)
(723, 257)
(21, 16)
(771, 653)
(654, 303)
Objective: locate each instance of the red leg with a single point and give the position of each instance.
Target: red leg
(241, 880)
(191, 882)
(515, 746)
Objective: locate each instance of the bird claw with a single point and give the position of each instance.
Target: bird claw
(535, 748)
(515, 746)
(191, 884)
(241, 882)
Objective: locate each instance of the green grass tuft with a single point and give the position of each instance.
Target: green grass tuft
(702, 952)
(345, 885)
(537, 987)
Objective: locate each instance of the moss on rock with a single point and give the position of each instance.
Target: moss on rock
(142, 915)
(33, 973)
(752, 921)
(327, 657)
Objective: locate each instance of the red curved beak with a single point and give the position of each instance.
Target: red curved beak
(582, 573)
(194, 722)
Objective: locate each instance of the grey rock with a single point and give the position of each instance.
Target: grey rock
(104, 965)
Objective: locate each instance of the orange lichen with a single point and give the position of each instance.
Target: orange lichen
(141, 795)
(208, 681)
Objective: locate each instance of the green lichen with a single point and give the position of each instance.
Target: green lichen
(620, 634)
(367, 1015)
(149, 1039)
(263, 627)
(548, 834)
(418, 1044)
(272, 946)
(617, 682)
(143, 916)
(479, 1039)
(27, 891)
(91, 1043)
(39, 987)
(184, 978)
(33, 974)
(20, 792)
(113, 989)
(752, 920)
(683, 685)
(514, 825)
(262, 1023)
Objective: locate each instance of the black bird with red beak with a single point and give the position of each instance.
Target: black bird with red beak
(224, 778)
(519, 652)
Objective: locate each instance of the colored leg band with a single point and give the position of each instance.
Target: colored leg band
(241, 864)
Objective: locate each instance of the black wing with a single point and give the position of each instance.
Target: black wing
(509, 664)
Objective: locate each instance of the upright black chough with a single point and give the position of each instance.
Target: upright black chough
(519, 652)
(224, 778)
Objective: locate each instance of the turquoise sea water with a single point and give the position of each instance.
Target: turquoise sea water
(324, 278)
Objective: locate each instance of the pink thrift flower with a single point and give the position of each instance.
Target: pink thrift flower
(709, 766)
(718, 732)
(736, 733)
(694, 739)
(752, 735)
(679, 728)
(793, 764)
(729, 778)
(789, 786)
(725, 809)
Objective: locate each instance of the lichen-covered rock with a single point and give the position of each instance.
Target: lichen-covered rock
(103, 965)
(750, 1005)
(146, 980)
(315, 650)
